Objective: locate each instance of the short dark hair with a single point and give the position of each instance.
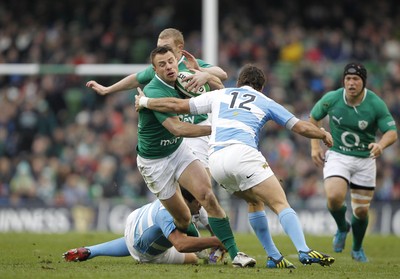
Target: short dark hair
(252, 76)
(159, 50)
(187, 195)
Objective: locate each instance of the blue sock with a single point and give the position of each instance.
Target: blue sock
(259, 223)
(291, 225)
(113, 248)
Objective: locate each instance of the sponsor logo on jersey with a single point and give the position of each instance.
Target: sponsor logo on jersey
(166, 142)
(187, 118)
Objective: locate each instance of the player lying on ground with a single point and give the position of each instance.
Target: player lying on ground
(157, 241)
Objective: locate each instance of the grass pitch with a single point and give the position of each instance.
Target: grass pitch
(26, 255)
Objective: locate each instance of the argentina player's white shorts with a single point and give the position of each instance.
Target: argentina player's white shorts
(239, 167)
(161, 175)
(170, 256)
(359, 171)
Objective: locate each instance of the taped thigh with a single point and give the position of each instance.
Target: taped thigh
(359, 200)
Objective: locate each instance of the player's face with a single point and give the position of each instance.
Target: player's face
(166, 67)
(170, 42)
(353, 85)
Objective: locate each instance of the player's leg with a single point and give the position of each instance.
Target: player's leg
(259, 222)
(361, 197)
(336, 191)
(360, 202)
(271, 192)
(337, 171)
(160, 176)
(113, 248)
(177, 207)
(172, 256)
(196, 180)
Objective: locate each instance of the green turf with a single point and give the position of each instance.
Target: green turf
(25, 255)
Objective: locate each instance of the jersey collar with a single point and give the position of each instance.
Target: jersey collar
(181, 60)
(344, 97)
(163, 82)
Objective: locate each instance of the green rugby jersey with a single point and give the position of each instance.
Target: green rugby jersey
(353, 128)
(145, 76)
(154, 140)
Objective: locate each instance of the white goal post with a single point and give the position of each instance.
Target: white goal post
(81, 70)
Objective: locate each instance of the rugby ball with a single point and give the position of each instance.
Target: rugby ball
(180, 85)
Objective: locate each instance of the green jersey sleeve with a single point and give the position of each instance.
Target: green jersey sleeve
(145, 76)
(385, 119)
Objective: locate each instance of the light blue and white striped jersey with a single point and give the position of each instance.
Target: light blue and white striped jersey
(152, 228)
(238, 115)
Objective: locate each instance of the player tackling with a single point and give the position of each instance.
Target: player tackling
(238, 115)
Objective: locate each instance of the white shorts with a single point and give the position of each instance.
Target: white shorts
(161, 175)
(239, 167)
(200, 146)
(359, 171)
(170, 256)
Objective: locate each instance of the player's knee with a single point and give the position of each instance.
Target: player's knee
(361, 212)
(335, 202)
(360, 205)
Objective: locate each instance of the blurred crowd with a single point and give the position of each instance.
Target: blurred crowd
(62, 145)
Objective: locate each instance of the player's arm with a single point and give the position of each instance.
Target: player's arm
(387, 139)
(175, 105)
(184, 129)
(126, 83)
(309, 130)
(192, 63)
(186, 244)
(317, 154)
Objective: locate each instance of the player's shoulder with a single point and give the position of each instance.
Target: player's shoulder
(375, 101)
(373, 96)
(157, 89)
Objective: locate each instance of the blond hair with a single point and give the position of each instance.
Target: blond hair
(173, 33)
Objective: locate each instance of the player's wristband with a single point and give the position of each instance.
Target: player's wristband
(143, 102)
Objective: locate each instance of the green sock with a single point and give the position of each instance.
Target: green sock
(340, 218)
(359, 228)
(192, 230)
(222, 230)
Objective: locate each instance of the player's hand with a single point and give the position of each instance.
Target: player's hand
(100, 89)
(376, 150)
(328, 141)
(137, 99)
(318, 157)
(217, 255)
(191, 62)
(196, 80)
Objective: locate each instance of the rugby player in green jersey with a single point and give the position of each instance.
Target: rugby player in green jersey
(355, 115)
(164, 159)
(173, 38)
